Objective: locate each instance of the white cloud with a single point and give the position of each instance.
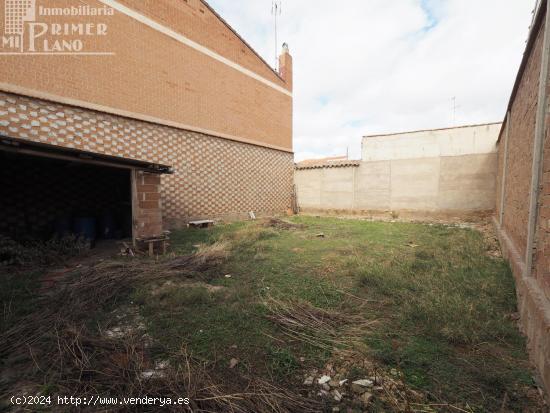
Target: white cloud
(369, 66)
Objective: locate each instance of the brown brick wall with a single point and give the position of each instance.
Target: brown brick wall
(191, 17)
(541, 270)
(147, 214)
(533, 291)
(154, 76)
(213, 177)
(520, 150)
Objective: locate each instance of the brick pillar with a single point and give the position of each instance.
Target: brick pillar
(146, 205)
(285, 66)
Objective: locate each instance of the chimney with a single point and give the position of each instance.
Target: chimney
(285, 66)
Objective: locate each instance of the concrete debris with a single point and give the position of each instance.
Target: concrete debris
(151, 374)
(324, 379)
(359, 395)
(158, 371)
(233, 362)
(364, 383)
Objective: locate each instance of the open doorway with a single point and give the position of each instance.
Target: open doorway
(42, 197)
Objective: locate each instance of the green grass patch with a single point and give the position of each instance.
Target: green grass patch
(441, 304)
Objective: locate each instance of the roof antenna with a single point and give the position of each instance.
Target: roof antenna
(454, 107)
(276, 8)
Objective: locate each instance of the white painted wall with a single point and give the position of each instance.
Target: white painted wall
(468, 140)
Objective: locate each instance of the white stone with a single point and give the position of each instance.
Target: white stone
(324, 379)
(364, 382)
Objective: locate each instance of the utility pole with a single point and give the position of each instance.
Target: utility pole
(276, 11)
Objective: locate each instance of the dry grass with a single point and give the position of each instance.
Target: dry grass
(282, 224)
(205, 257)
(325, 329)
(60, 345)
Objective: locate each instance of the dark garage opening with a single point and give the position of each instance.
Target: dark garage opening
(41, 198)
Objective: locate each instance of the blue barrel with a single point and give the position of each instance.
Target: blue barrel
(85, 227)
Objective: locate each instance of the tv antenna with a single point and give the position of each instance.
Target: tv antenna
(454, 107)
(276, 8)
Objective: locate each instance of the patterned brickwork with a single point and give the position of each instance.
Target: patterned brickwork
(213, 177)
(150, 76)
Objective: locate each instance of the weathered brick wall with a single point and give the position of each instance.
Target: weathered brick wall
(213, 177)
(147, 205)
(499, 174)
(152, 75)
(532, 290)
(541, 269)
(520, 150)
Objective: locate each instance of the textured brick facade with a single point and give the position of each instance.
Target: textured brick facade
(213, 177)
(177, 87)
(153, 76)
(516, 148)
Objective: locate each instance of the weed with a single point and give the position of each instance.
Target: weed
(282, 362)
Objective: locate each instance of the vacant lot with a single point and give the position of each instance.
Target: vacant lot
(250, 316)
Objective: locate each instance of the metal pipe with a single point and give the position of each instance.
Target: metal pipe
(504, 169)
(538, 147)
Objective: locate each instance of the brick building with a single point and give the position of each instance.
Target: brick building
(154, 109)
(523, 191)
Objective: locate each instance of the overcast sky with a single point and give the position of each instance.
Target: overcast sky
(371, 66)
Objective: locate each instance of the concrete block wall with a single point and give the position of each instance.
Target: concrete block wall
(453, 141)
(438, 184)
(442, 170)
